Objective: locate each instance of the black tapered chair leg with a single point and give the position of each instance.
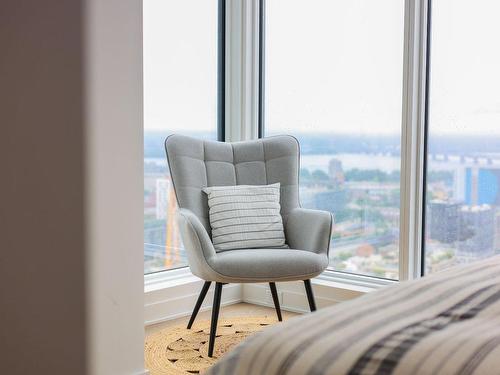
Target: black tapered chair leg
(199, 302)
(215, 318)
(310, 295)
(274, 293)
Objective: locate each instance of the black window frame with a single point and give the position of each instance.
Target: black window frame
(221, 71)
(262, 35)
(425, 137)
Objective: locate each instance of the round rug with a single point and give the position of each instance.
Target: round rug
(178, 350)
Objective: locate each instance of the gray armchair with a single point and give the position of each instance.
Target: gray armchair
(195, 164)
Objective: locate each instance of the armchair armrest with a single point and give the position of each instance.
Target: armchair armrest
(197, 242)
(309, 230)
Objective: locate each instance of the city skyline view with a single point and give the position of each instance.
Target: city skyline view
(360, 185)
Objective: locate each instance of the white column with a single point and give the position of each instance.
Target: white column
(114, 186)
(412, 151)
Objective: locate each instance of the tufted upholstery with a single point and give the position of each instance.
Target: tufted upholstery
(195, 164)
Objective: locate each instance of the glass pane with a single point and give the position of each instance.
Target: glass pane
(180, 96)
(334, 80)
(463, 161)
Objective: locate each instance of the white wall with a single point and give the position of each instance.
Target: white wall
(114, 185)
(71, 248)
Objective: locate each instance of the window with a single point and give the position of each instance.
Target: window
(333, 78)
(463, 160)
(180, 96)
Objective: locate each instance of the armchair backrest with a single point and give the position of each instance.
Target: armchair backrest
(195, 164)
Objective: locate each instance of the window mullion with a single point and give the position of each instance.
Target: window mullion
(412, 138)
(242, 70)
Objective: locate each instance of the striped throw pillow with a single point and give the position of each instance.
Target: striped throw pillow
(245, 216)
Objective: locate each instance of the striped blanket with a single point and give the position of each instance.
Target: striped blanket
(445, 323)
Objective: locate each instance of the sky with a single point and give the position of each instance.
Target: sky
(334, 66)
(180, 64)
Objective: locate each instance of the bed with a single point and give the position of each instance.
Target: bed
(445, 323)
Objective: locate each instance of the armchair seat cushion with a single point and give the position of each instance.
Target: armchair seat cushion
(265, 265)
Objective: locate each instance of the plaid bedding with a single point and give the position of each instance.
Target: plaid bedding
(445, 323)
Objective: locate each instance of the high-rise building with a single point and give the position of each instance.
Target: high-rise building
(482, 186)
(444, 221)
(336, 172)
(477, 232)
(163, 187)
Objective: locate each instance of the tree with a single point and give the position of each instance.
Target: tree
(304, 174)
(319, 175)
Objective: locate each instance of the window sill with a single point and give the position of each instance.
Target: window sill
(168, 279)
(352, 281)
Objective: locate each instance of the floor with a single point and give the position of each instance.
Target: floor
(239, 309)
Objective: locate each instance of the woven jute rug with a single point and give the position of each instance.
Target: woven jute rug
(178, 350)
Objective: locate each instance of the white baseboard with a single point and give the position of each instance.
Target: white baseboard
(292, 295)
(176, 298)
(177, 301)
